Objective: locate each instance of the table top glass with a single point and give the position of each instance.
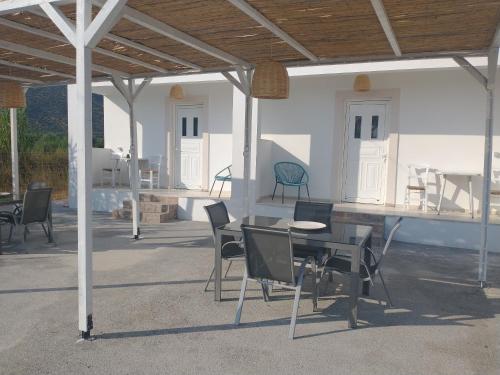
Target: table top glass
(340, 233)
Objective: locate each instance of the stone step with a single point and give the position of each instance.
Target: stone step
(153, 207)
(150, 197)
(146, 217)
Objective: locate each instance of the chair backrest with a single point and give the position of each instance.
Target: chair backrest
(418, 174)
(36, 205)
(268, 254)
(392, 233)
(290, 173)
(313, 211)
(37, 185)
(155, 162)
(217, 215)
(143, 164)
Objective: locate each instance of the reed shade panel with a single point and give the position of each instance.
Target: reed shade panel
(362, 83)
(270, 81)
(11, 95)
(177, 92)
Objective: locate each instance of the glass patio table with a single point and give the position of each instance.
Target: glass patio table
(351, 238)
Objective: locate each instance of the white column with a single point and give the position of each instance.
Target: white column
(488, 140)
(134, 163)
(246, 154)
(253, 184)
(14, 153)
(84, 166)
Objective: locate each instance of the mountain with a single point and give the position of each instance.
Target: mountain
(47, 111)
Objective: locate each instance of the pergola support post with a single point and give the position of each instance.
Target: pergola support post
(14, 153)
(130, 93)
(487, 170)
(84, 167)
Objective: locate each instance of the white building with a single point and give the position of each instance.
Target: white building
(424, 112)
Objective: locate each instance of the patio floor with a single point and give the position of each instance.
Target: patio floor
(151, 315)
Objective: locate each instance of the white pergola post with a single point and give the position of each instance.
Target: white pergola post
(14, 153)
(84, 36)
(84, 166)
(130, 93)
(487, 170)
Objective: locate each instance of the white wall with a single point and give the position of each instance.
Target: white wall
(442, 117)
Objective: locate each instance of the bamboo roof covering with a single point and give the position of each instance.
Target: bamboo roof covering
(333, 31)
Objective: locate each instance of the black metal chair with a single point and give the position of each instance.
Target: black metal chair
(342, 264)
(231, 249)
(269, 260)
(321, 213)
(37, 210)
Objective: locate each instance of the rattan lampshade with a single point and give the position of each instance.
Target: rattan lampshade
(270, 81)
(362, 83)
(11, 95)
(176, 92)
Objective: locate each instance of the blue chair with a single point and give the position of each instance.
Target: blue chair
(290, 174)
(222, 176)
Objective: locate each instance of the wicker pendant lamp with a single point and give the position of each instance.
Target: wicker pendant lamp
(176, 92)
(270, 81)
(11, 95)
(362, 83)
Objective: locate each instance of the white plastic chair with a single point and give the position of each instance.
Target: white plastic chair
(150, 171)
(418, 179)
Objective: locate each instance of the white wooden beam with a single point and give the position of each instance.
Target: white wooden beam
(235, 82)
(59, 38)
(263, 21)
(66, 27)
(84, 167)
(35, 69)
(175, 34)
(12, 6)
(472, 70)
(14, 153)
(21, 79)
(104, 21)
(379, 8)
(115, 38)
(53, 57)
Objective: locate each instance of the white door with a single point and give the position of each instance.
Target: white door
(365, 153)
(188, 147)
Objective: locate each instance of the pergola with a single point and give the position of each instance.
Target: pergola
(47, 42)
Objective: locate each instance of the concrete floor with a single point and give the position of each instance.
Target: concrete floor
(151, 315)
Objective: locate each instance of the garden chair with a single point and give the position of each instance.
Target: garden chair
(231, 249)
(342, 264)
(418, 179)
(290, 174)
(269, 259)
(222, 176)
(150, 171)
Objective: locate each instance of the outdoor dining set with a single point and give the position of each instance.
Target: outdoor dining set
(280, 253)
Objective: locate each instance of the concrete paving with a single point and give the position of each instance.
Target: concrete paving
(151, 315)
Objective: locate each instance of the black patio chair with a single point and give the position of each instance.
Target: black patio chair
(321, 213)
(35, 210)
(231, 249)
(269, 260)
(342, 264)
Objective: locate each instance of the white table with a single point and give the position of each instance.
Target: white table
(458, 173)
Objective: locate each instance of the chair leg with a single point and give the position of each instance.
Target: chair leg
(242, 298)
(265, 292)
(228, 267)
(11, 232)
(314, 271)
(274, 191)
(283, 195)
(298, 198)
(293, 322)
(385, 289)
(222, 187)
(50, 231)
(209, 279)
(308, 196)
(212, 188)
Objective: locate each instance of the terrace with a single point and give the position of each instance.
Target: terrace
(154, 315)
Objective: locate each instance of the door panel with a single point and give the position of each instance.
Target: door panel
(365, 153)
(189, 147)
